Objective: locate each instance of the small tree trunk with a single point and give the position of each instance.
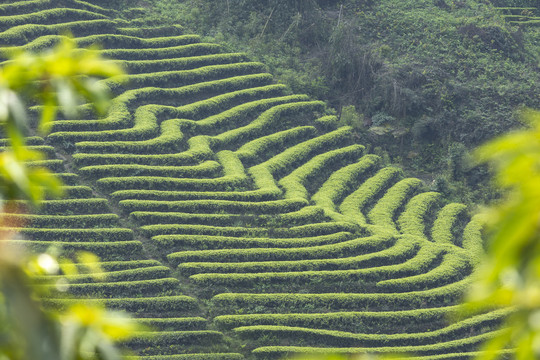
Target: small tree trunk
(267, 21)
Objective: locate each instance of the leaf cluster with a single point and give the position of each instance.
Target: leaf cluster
(60, 79)
(510, 275)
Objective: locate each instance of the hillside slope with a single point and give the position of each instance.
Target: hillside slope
(238, 220)
(421, 80)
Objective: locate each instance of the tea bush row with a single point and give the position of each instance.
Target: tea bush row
(171, 131)
(445, 223)
(304, 216)
(170, 324)
(139, 273)
(412, 219)
(37, 5)
(294, 183)
(384, 210)
(164, 338)
(402, 250)
(120, 116)
(204, 242)
(346, 248)
(386, 322)
(445, 295)
(415, 274)
(159, 305)
(126, 250)
(342, 182)
(457, 331)
(48, 16)
(210, 206)
(181, 77)
(353, 205)
(210, 356)
(132, 288)
(462, 345)
(316, 229)
(75, 235)
(210, 169)
(264, 145)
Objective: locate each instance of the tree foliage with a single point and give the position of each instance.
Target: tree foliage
(510, 275)
(59, 79)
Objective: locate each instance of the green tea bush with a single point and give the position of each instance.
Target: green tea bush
(472, 238)
(260, 147)
(63, 221)
(462, 345)
(403, 250)
(320, 337)
(412, 219)
(150, 305)
(384, 210)
(452, 268)
(48, 16)
(20, 34)
(304, 216)
(343, 181)
(239, 186)
(120, 116)
(111, 41)
(294, 183)
(180, 51)
(212, 206)
(280, 302)
(150, 32)
(75, 235)
(105, 250)
(74, 206)
(353, 204)
(164, 338)
(211, 356)
(389, 322)
(178, 324)
(77, 192)
(182, 77)
(167, 183)
(355, 246)
(133, 274)
(135, 288)
(22, 7)
(203, 242)
(193, 62)
(267, 121)
(445, 223)
(412, 276)
(209, 169)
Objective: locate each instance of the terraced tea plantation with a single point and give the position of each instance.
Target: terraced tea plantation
(526, 15)
(235, 219)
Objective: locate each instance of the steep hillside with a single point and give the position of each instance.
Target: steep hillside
(422, 80)
(238, 220)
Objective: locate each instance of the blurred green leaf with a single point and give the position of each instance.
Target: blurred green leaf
(61, 79)
(510, 275)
